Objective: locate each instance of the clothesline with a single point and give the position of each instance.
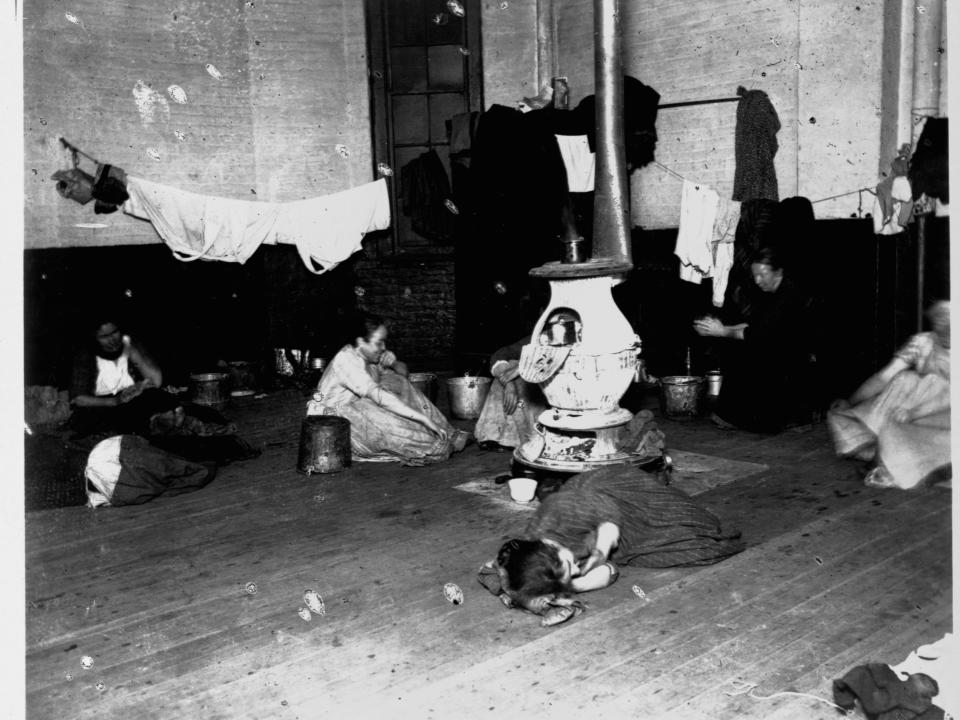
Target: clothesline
(813, 202)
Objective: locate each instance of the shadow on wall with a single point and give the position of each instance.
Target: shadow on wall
(190, 315)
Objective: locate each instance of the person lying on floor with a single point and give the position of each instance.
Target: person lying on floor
(764, 359)
(899, 418)
(390, 419)
(509, 414)
(596, 520)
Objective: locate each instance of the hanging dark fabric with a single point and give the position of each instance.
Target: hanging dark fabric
(755, 145)
(424, 192)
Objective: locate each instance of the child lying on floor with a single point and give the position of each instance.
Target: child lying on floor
(614, 512)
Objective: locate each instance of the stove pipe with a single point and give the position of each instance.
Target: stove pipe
(611, 228)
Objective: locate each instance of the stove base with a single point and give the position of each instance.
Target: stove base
(573, 451)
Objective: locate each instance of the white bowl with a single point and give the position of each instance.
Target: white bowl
(522, 489)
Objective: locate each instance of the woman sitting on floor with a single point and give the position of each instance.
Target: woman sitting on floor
(900, 417)
(766, 359)
(116, 384)
(617, 512)
(390, 419)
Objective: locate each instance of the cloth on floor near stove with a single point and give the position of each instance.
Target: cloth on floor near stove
(884, 696)
(755, 145)
(128, 470)
(326, 230)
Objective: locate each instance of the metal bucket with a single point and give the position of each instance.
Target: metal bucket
(324, 444)
(209, 388)
(426, 383)
(680, 395)
(467, 395)
(714, 382)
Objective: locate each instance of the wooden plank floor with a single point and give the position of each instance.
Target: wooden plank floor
(836, 574)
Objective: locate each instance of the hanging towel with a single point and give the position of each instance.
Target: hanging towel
(893, 206)
(698, 214)
(579, 160)
(724, 234)
(755, 144)
(329, 229)
(326, 230)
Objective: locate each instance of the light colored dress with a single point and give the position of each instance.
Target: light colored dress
(910, 451)
(352, 388)
(494, 425)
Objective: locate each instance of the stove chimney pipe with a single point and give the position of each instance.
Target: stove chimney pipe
(611, 228)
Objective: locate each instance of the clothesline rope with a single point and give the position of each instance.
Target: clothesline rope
(870, 190)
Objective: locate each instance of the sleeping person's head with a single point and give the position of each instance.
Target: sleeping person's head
(533, 572)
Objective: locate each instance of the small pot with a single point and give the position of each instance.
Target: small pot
(680, 395)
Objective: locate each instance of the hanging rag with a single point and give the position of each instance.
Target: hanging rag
(424, 194)
(893, 206)
(109, 189)
(755, 146)
(929, 165)
(74, 184)
(579, 160)
(326, 230)
(724, 235)
(698, 215)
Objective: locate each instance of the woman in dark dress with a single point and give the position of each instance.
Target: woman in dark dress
(765, 360)
(611, 515)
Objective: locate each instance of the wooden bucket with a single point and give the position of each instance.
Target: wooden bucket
(324, 444)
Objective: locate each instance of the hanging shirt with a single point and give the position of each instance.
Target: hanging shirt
(724, 233)
(698, 215)
(579, 161)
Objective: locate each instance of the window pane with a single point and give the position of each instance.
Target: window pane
(406, 21)
(408, 69)
(446, 67)
(410, 119)
(442, 108)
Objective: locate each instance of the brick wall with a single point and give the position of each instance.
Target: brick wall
(292, 85)
(418, 299)
(818, 60)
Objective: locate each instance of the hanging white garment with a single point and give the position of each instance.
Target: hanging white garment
(724, 234)
(578, 160)
(902, 209)
(698, 214)
(329, 229)
(326, 230)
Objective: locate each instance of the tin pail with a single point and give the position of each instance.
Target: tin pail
(209, 388)
(324, 444)
(680, 395)
(467, 395)
(426, 383)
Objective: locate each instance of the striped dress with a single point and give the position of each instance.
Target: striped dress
(660, 526)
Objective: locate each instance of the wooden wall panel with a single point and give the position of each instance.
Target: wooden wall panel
(292, 84)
